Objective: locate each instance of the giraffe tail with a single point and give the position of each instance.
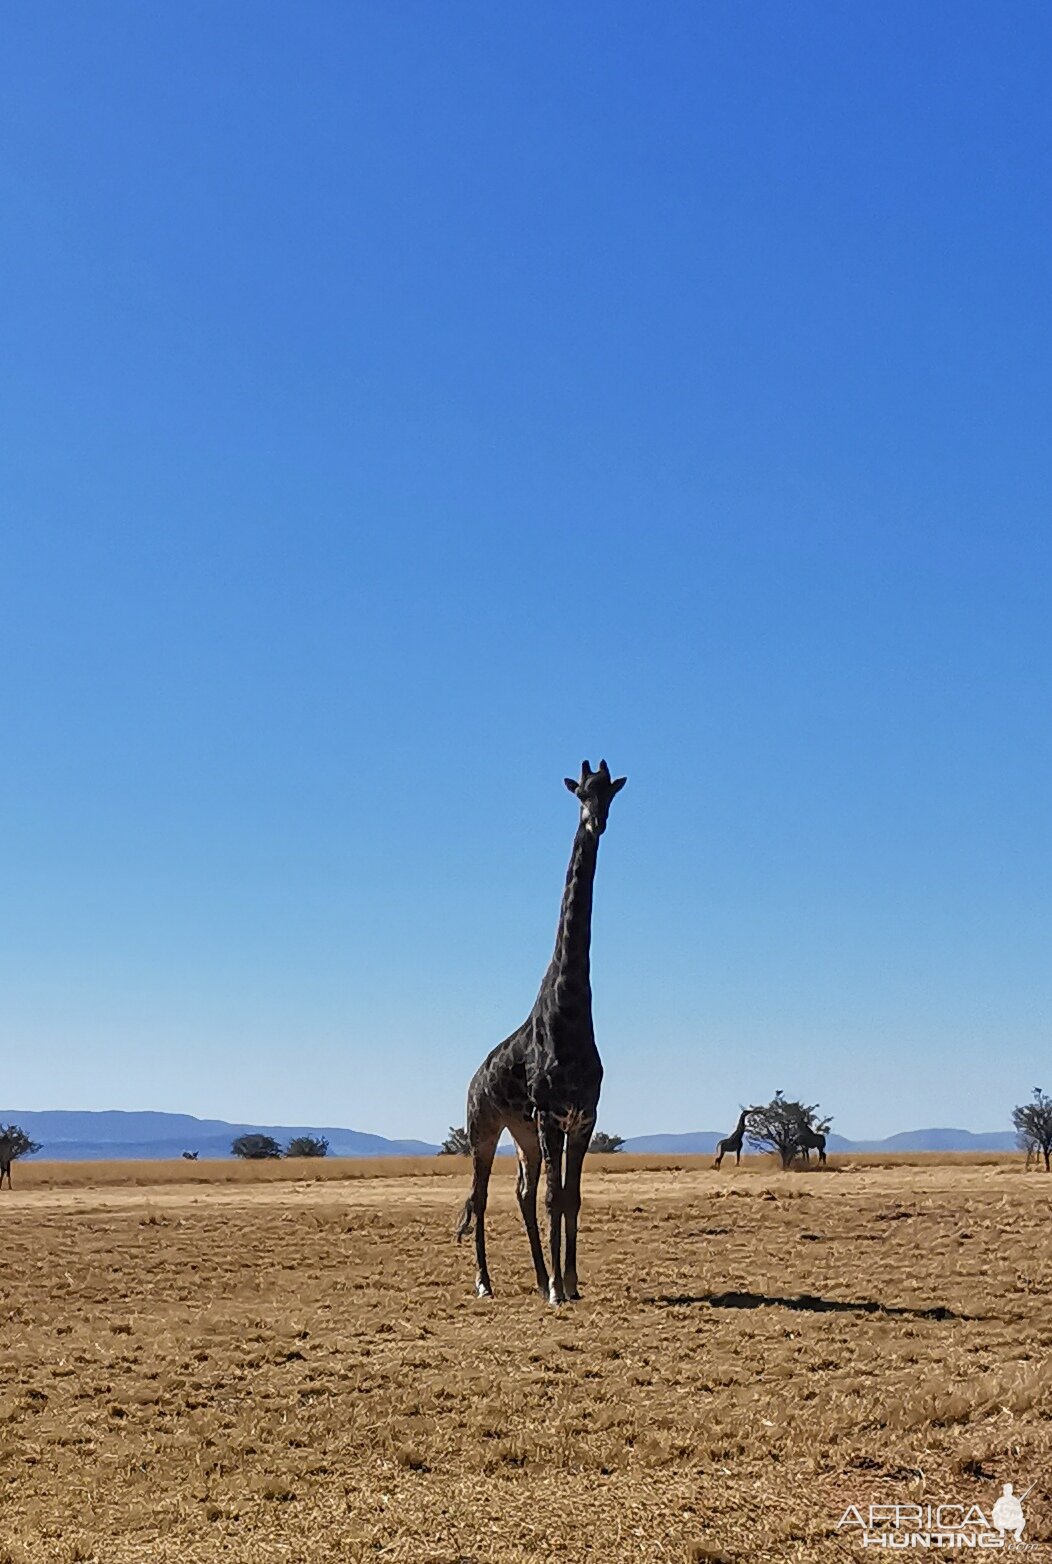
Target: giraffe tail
(467, 1216)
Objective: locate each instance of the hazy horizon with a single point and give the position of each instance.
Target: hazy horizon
(435, 1136)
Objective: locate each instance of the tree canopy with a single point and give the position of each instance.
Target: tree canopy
(601, 1141)
(256, 1148)
(777, 1127)
(18, 1141)
(1033, 1125)
(307, 1146)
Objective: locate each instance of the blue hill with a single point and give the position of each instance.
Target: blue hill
(67, 1136)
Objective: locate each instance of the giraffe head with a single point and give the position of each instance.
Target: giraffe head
(595, 790)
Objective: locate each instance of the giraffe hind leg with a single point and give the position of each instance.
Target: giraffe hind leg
(528, 1148)
(483, 1149)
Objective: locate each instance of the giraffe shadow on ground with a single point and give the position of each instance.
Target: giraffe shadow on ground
(810, 1302)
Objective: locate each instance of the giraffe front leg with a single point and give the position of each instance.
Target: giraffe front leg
(576, 1148)
(551, 1137)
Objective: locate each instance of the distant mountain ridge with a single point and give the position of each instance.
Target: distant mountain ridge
(71, 1136)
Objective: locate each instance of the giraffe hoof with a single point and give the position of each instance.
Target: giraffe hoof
(482, 1291)
(555, 1298)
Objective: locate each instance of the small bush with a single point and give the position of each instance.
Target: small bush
(256, 1148)
(307, 1146)
(601, 1141)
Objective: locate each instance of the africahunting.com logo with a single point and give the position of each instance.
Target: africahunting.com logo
(901, 1526)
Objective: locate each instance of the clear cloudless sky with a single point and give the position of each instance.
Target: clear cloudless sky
(401, 402)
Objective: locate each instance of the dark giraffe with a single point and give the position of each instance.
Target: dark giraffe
(542, 1083)
(811, 1140)
(8, 1152)
(733, 1141)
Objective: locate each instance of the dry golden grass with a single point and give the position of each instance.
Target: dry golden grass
(255, 1364)
(96, 1175)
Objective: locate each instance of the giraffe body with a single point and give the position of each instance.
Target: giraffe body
(812, 1140)
(7, 1156)
(542, 1083)
(733, 1141)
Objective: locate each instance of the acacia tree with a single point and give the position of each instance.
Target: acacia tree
(307, 1146)
(777, 1127)
(19, 1143)
(601, 1141)
(256, 1148)
(1033, 1125)
(456, 1143)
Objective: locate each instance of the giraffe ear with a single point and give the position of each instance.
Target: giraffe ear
(616, 786)
(571, 784)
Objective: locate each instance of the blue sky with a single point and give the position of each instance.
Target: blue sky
(402, 402)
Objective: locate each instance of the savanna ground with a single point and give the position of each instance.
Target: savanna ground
(286, 1363)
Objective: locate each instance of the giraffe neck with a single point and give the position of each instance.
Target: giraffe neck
(740, 1130)
(569, 972)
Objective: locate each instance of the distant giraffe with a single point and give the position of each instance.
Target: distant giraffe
(733, 1141)
(811, 1140)
(8, 1153)
(542, 1083)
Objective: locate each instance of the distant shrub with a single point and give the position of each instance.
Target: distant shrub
(601, 1141)
(256, 1148)
(456, 1144)
(307, 1146)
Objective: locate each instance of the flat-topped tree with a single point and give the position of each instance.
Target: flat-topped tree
(789, 1128)
(542, 1083)
(602, 1142)
(1033, 1126)
(256, 1148)
(14, 1143)
(307, 1146)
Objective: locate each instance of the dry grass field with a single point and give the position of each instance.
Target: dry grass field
(286, 1364)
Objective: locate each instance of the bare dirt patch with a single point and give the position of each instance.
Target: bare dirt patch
(294, 1369)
